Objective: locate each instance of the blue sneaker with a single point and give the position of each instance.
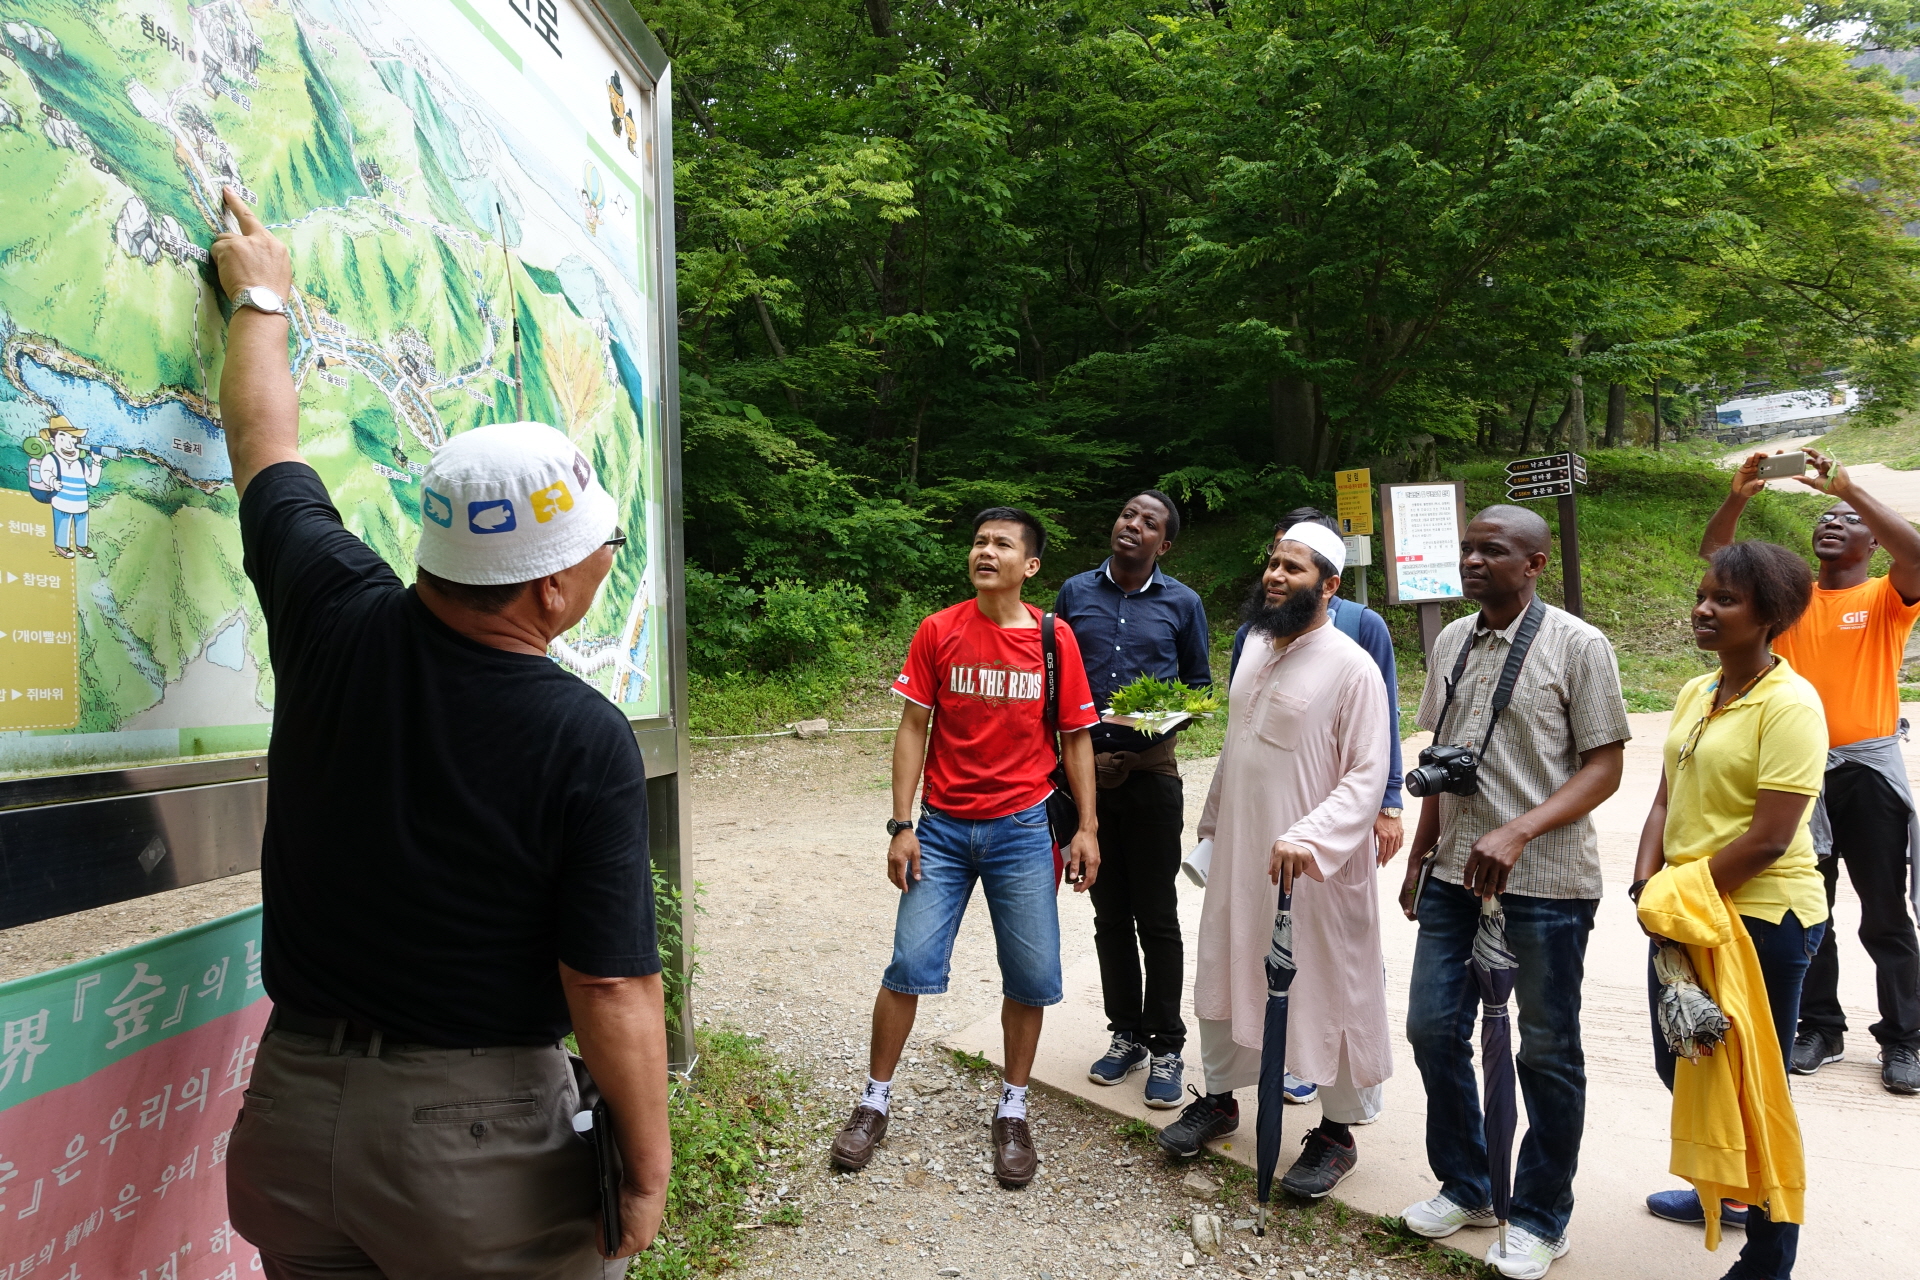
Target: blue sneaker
(1164, 1073)
(1124, 1057)
(1684, 1206)
(1299, 1091)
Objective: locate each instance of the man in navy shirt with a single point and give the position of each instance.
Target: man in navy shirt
(1370, 630)
(1132, 620)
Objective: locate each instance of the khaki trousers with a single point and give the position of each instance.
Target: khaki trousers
(1231, 1066)
(417, 1164)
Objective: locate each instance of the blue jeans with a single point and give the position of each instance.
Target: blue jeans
(69, 528)
(1549, 935)
(1012, 859)
(1785, 950)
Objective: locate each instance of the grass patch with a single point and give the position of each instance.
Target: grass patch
(969, 1061)
(1896, 444)
(1386, 1237)
(739, 1105)
(1138, 1132)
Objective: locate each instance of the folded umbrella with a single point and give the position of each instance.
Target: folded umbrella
(1273, 1059)
(1690, 1022)
(1494, 969)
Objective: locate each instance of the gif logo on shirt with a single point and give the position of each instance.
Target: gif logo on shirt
(1855, 621)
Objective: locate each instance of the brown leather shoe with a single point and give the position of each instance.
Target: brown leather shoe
(1014, 1160)
(853, 1146)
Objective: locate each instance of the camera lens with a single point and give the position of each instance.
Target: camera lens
(1427, 780)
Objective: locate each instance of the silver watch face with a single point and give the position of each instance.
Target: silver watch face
(261, 298)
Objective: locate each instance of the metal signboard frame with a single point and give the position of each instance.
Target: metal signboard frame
(72, 841)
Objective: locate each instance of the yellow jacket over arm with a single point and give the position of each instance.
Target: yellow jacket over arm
(1735, 1134)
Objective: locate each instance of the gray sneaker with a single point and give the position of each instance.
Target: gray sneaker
(1813, 1050)
(1900, 1069)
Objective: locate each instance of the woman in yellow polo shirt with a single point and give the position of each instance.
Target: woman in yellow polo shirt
(1745, 757)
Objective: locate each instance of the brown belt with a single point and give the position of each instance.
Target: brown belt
(1111, 768)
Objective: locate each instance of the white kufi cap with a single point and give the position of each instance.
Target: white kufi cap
(1321, 539)
(509, 503)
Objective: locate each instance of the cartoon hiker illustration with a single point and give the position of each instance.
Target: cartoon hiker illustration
(622, 114)
(616, 101)
(64, 477)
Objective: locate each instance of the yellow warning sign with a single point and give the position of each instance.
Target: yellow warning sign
(39, 620)
(1354, 492)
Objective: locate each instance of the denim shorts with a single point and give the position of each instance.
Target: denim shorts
(1012, 859)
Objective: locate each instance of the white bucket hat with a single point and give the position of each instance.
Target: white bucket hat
(510, 503)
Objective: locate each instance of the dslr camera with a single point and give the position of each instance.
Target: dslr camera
(1451, 769)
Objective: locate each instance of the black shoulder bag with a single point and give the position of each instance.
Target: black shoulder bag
(1063, 815)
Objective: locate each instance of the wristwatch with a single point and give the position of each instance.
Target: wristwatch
(895, 826)
(1390, 811)
(261, 298)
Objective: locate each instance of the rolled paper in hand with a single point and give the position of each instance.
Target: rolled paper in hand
(1198, 862)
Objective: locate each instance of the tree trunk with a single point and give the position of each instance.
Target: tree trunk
(1560, 424)
(1526, 425)
(913, 457)
(1616, 413)
(1656, 414)
(1290, 404)
(773, 340)
(1577, 400)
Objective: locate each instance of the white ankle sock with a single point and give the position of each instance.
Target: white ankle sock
(1013, 1101)
(877, 1094)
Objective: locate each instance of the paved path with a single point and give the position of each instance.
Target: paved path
(1863, 1144)
(1898, 489)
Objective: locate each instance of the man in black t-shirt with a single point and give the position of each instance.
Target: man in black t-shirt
(455, 865)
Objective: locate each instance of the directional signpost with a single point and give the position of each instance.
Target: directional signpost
(1553, 476)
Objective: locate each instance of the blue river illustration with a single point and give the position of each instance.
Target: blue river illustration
(167, 429)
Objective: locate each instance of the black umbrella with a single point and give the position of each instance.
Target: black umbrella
(1494, 968)
(1273, 1058)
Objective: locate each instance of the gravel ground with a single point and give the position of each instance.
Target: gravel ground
(797, 926)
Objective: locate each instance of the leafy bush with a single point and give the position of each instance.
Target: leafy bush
(734, 628)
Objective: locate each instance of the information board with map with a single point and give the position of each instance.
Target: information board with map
(468, 188)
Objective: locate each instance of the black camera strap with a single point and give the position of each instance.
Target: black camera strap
(1509, 674)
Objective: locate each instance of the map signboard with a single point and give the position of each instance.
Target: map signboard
(470, 192)
(1423, 527)
(119, 1082)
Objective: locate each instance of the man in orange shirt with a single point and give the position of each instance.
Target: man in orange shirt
(1850, 644)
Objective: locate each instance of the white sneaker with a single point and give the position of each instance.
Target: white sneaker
(1440, 1217)
(1527, 1256)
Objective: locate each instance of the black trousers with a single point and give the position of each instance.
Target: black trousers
(1870, 836)
(1135, 912)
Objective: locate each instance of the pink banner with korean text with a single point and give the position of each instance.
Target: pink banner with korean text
(119, 1082)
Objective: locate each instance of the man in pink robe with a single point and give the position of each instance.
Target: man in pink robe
(1293, 802)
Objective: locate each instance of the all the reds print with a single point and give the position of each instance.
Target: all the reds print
(994, 683)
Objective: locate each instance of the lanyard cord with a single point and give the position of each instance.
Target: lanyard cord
(1509, 673)
(1692, 744)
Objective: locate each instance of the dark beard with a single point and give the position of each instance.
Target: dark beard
(1290, 617)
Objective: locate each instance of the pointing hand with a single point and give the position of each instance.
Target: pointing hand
(253, 255)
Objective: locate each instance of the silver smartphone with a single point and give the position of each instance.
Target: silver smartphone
(1791, 463)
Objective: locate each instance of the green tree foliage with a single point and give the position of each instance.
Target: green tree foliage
(939, 257)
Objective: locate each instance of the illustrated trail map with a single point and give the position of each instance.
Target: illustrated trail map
(466, 187)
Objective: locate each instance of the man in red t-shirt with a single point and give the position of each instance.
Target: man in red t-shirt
(983, 818)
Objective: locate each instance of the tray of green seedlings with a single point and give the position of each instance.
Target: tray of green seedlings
(1155, 706)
